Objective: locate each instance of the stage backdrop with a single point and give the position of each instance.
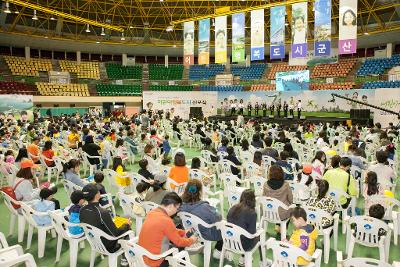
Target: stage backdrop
(182, 101)
(389, 99)
(13, 105)
(292, 80)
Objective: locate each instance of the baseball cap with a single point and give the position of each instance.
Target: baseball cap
(307, 168)
(89, 191)
(27, 163)
(76, 196)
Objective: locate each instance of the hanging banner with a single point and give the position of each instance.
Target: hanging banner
(277, 32)
(220, 39)
(188, 43)
(238, 38)
(348, 27)
(257, 34)
(299, 30)
(204, 42)
(322, 28)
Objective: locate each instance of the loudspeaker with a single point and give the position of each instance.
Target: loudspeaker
(196, 112)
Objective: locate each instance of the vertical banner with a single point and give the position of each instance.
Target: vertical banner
(277, 32)
(188, 43)
(348, 27)
(204, 42)
(299, 30)
(220, 39)
(322, 28)
(238, 38)
(257, 34)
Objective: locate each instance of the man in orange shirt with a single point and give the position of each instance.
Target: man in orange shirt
(33, 149)
(159, 229)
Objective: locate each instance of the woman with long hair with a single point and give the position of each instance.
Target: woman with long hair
(323, 201)
(371, 188)
(318, 164)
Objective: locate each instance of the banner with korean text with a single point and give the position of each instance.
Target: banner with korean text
(277, 32)
(348, 27)
(322, 28)
(257, 34)
(299, 30)
(238, 38)
(188, 43)
(220, 39)
(204, 42)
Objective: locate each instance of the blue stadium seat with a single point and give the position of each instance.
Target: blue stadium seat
(222, 88)
(204, 72)
(253, 72)
(381, 84)
(378, 66)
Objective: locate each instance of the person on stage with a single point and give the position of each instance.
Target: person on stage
(264, 109)
(299, 109)
(291, 107)
(271, 109)
(222, 109)
(241, 107)
(249, 107)
(285, 109)
(256, 108)
(233, 108)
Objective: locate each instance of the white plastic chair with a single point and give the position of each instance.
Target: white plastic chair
(258, 183)
(231, 238)
(94, 236)
(28, 212)
(61, 225)
(172, 186)
(246, 156)
(180, 259)
(92, 167)
(14, 215)
(301, 192)
(230, 180)
(250, 170)
(191, 221)
(361, 262)
(111, 175)
(269, 213)
(199, 175)
(49, 170)
(337, 195)
(285, 254)
(266, 163)
(314, 216)
(366, 234)
(3, 241)
(70, 186)
(14, 256)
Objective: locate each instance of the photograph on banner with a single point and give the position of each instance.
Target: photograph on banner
(204, 42)
(220, 39)
(257, 35)
(182, 101)
(238, 38)
(292, 80)
(277, 32)
(347, 26)
(299, 30)
(18, 107)
(311, 60)
(188, 43)
(322, 27)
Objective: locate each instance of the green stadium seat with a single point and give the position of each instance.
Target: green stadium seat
(119, 90)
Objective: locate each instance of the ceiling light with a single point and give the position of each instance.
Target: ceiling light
(170, 28)
(7, 10)
(366, 33)
(102, 32)
(174, 46)
(161, 0)
(34, 15)
(130, 27)
(122, 37)
(52, 18)
(16, 12)
(46, 37)
(97, 42)
(87, 28)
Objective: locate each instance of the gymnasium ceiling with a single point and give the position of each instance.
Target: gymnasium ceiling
(145, 22)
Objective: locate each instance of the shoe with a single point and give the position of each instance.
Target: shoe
(124, 262)
(216, 254)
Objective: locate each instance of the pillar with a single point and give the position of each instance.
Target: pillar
(124, 59)
(78, 57)
(27, 53)
(166, 60)
(247, 60)
(389, 50)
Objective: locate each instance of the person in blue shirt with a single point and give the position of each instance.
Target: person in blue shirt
(166, 146)
(77, 200)
(285, 165)
(45, 204)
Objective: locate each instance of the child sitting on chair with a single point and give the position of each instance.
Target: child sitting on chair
(46, 203)
(77, 201)
(98, 181)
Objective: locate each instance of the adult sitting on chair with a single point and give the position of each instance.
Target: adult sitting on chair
(92, 150)
(100, 218)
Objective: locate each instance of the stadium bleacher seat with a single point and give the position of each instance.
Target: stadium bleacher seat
(118, 90)
(263, 87)
(171, 88)
(55, 89)
(17, 88)
(282, 67)
(377, 66)
(333, 86)
(253, 72)
(84, 70)
(119, 72)
(160, 72)
(381, 84)
(221, 88)
(21, 66)
(340, 69)
(204, 72)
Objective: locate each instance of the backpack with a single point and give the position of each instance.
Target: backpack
(10, 191)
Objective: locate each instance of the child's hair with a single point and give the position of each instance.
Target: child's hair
(165, 161)
(119, 143)
(179, 159)
(299, 212)
(72, 164)
(377, 211)
(76, 196)
(166, 137)
(117, 161)
(143, 163)
(141, 187)
(196, 163)
(192, 192)
(372, 181)
(335, 161)
(323, 187)
(98, 177)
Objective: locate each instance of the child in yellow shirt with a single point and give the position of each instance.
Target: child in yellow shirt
(122, 179)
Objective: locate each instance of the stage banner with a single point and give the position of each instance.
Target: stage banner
(220, 40)
(238, 38)
(293, 80)
(322, 28)
(16, 107)
(388, 99)
(188, 43)
(348, 27)
(204, 42)
(277, 32)
(257, 35)
(182, 101)
(299, 30)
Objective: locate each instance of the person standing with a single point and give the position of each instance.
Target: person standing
(256, 108)
(299, 109)
(285, 109)
(249, 107)
(241, 107)
(264, 109)
(233, 108)
(278, 108)
(291, 107)
(272, 108)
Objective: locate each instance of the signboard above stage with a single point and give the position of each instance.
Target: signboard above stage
(224, 79)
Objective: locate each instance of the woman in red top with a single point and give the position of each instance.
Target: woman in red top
(48, 153)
